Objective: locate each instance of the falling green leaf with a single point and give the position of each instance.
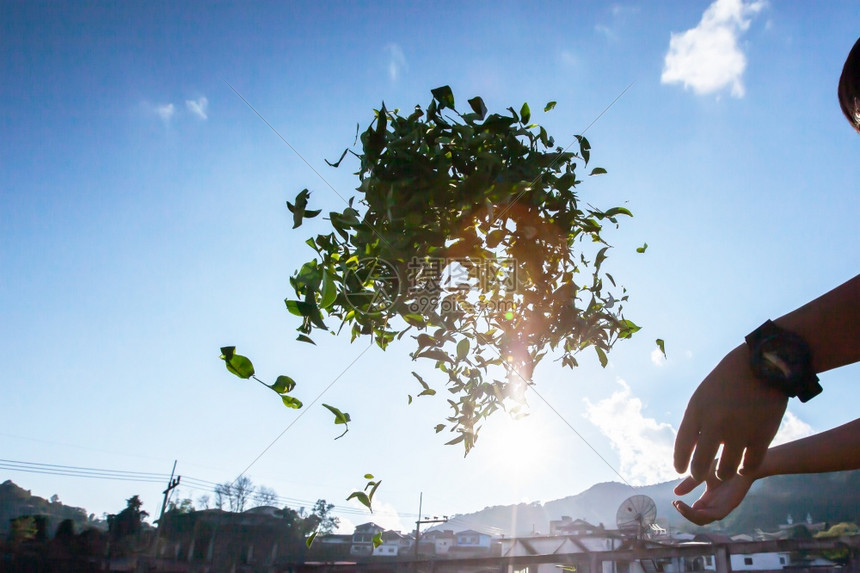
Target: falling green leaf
(298, 210)
(310, 540)
(299, 308)
(462, 349)
(642, 248)
(602, 356)
(342, 155)
(628, 329)
(601, 256)
(584, 148)
(421, 380)
(549, 106)
(339, 418)
(329, 291)
(444, 96)
(305, 338)
(362, 499)
(373, 485)
(477, 105)
(662, 346)
(365, 497)
(377, 539)
(283, 385)
(236, 363)
(525, 113)
(598, 171)
(415, 320)
(291, 402)
(617, 211)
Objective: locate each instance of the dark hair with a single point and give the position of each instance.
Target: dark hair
(849, 87)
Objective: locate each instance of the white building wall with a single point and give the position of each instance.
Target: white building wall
(759, 561)
(388, 549)
(607, 567)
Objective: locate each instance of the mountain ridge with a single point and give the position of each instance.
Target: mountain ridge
(831, 498)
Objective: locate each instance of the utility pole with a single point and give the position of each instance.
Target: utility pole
(421, 522)
(171, 484)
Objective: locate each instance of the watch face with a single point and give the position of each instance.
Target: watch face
(782, 357)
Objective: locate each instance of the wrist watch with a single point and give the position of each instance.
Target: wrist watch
(783, 359)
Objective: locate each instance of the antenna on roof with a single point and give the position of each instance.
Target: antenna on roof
(636, 515)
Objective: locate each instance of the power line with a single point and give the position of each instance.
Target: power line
(195, 484)
(85, 469)
(302, 413)
(66, 473)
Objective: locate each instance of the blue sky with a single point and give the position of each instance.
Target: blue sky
(143, 226)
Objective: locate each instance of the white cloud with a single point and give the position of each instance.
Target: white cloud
(657, 357)
(707, 58)
(384, 515)
(623, 10)
(621, 14)
(166, 111)
(644, 445)
(791, 428)
(198, 107)
(606, 31)
(568, 58)
(396, 61)
(345, 525)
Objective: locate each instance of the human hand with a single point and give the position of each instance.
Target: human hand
(719, 499)
(730, 407)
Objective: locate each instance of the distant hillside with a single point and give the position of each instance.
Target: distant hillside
(16, 501)
(825, 497)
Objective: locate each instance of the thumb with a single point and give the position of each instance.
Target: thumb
(689, 484)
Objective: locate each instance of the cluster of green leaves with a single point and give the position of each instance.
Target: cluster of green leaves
(365, 496)
(494, 199)
(242, 367)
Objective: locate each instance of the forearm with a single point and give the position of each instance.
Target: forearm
(830, 325)
(834, 450)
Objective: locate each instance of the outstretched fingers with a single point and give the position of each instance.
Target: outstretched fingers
(703, 457)
(702, 516)
(686, 486)
(753, 458)
(685, 442)
(730, 459)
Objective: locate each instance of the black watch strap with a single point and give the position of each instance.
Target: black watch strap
(784, 360)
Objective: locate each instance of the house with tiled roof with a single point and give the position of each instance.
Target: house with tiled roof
(362, 539)
(393, 544)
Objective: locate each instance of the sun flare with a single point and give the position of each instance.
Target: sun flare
(517, 450)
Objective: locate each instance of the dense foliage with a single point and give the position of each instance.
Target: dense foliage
(467, 234)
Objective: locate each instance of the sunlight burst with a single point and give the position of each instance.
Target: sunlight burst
(517, 450)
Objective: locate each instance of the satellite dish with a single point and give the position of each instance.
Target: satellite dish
(636, 515)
